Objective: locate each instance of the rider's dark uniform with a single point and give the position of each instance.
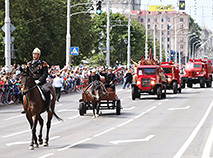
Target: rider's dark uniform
(39, 69)
(40, 72)
(108, 78)
(94, 77)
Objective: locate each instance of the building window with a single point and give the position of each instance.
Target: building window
(156, 20)
(162, 20)
(181, 19)
(168, 32)
(168, 46)
(142, 20)
(181, 46)
(182, 26)
(162, 26)
(168, 39)
(148, 26)
(148, 20)
(168, 19)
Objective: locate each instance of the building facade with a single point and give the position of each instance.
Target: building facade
(171, 24)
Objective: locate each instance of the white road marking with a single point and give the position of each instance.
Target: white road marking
(67, 110)
(8, 111)
(72, 145)
(148, 138)
(106, 131)
(27, 142)
(17, 133)
(47, 155)
(71, 118)
(182, 108)
(58, 105)
(159, 103)
(14, 117)
(208, 146)
(193, 134)
(127, 109)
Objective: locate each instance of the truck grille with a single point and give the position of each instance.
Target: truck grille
(145, 82)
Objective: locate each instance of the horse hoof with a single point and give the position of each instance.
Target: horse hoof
(40, 142)
(31, 148)
(36, 146)
(46, 144)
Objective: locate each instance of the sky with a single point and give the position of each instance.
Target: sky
(200, 10)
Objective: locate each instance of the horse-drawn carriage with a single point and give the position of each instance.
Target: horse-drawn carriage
(96, 97)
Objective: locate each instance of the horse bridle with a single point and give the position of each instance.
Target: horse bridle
(29, 88)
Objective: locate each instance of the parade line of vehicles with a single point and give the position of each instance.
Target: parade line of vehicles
(152, 78)
(155, 78)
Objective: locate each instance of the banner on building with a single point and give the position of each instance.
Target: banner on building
(182, 5)
(161, 8)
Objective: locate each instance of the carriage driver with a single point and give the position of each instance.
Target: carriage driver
(94, 76)
(109, 79)
(40, 72)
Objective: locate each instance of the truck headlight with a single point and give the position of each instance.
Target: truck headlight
(197, 73)
(138, 82)
(152, 83)
(169, 79)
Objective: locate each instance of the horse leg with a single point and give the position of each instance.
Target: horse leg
(30, 120)
(94, 109)
(41, 122)
(98, 108)
(34, 138)
(50, 115)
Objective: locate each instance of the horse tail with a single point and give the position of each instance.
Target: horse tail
(52, 106)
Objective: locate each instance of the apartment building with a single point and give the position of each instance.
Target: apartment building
(170, 24)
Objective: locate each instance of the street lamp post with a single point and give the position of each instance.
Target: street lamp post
(190, 53)
(193, 45)
(68, 37)
(187, 46)
(196, 55)
(146, 43)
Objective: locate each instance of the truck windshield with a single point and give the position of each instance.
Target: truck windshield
(167, 70)
(197, 65)
(140, 71)
(149, 71)
(189, 66)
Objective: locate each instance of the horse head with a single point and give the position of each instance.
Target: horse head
(27, 80)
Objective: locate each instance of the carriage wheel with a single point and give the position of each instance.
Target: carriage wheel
(118, 107)
(82, 109)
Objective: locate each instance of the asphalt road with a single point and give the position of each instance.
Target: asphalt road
(178, 126)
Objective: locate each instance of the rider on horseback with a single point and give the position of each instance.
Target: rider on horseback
(94, 76)
(110, 79)
(40, 72)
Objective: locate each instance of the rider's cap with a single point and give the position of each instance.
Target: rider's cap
(93, 70)
(37, 50)
(109, 68)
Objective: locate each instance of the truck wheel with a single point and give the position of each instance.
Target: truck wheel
(182, 84)
(82, 109)
(159, 93)
(189, 84)
(175, 87)
(118, 107)
(202, 83)
(179, 89)
(134, 92)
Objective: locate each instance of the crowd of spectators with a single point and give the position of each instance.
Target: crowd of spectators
(73, 80)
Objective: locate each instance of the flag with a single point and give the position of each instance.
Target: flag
(182, 5)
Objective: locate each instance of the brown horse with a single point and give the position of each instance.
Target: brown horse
(34, 105)
(94, 91)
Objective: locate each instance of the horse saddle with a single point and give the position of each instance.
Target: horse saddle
(45, 94)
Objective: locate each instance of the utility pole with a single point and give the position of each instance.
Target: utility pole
(7, 38)
(108, 31)
(128, 47)
(68, 37)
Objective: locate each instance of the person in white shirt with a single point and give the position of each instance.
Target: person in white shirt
(57, 84)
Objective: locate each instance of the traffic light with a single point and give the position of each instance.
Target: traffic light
(98, 7)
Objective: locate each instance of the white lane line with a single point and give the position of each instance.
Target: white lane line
(159, 103)
(8, 111)
(28, 142)
(14, 117)
(181, 108)
(47, 155)
(208, 146)
(72, 145)
(127, 109)
(58, 105)
(193, 134)
(67, 110)
(106, 131)
(71, 118)
(148, 138)
(17, 133)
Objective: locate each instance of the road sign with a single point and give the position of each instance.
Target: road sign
(182, 5)
(12, 28)
(104, 48)
(74, 50)
(11, 39)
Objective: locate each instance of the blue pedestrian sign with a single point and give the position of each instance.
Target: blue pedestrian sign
(74, 50)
